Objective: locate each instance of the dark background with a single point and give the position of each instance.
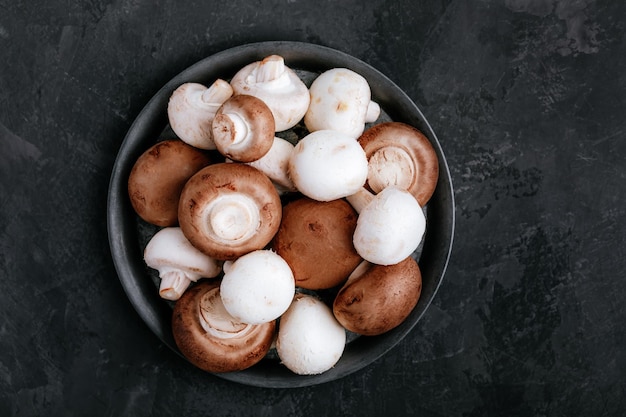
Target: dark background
(527, 99)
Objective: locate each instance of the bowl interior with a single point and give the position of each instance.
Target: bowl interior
(128, 235)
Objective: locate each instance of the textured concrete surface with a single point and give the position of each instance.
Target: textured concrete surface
(527, 98)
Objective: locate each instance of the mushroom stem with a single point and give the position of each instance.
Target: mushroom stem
(235, 125)
(372, 113)
(217, 93)
(174, 282)
(231, 218)
(270, 69)
(216, 321)
(360, 199)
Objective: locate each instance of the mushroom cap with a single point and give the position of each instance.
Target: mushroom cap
(177, 261)
(327, 165)
(310, 340)
(257, 287)
(229, 209)
(278, 86)
(243, 128)
(158, 177)
(390, 227)
(315, 238)
(275, 164)
(340, 99)
(213, 340)
(378, 298)
(399, 154)
(191, 109)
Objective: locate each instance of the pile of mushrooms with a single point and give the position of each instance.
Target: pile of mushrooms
(251, 229)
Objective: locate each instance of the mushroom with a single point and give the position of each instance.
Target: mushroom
(158, 177)
(315, 238)
(178, 262)
(327, 165)
(399, 154)
(278, 86)
(377, 298)
(275, 164)
(310, 340)
(229, 209)
(390, 226)
(212, 339)
(243, 128)
(257, 287)
(340, 100)
(191, 109)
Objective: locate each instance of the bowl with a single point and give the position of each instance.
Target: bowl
(128, 235)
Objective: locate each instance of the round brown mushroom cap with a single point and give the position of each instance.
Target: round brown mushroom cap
(243, 128)
(207, 351)
(315, 238)
(229, 209)
(378, 299)
(399, 154)
(158, 177)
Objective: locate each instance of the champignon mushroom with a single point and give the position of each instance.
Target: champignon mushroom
(275, 164)
(278, 86)
(327, 165)
(390, 226)
(229, 209)
(340, 100)
(257, 287)
(179, 263)
(243, 128)
(212, 339)
(310, 340)
(399, 154)
(157, 179)
(378, 298)
(315, 238)
(191, 109)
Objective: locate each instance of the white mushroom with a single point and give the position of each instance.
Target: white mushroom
(257, 287)
(275, 164)
(310, 340)
(278, 86)
(178, 262)
(326, 165)
(191, 109)
(340, 100)
(390, 226)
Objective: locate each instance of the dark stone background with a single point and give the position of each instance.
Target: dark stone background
(527, 98)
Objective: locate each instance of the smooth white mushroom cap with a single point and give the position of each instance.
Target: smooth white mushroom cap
(191, 109)
(390, 227)
(275, 164)
(257, 287)
(310, 340)
(327, 165)
(340, 100)
(178, 262)
(278, 86)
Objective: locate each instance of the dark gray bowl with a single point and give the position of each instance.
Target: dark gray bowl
(127, 235)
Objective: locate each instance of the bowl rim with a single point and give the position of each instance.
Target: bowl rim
(149, 123)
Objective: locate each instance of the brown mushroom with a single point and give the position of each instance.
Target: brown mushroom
(157, 179)
(212, 339)
(315, 238)
(399, 154)
(229, 209)
(243, 128)
(377, 298)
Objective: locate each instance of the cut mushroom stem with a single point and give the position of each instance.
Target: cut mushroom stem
(360, 199)
(271, 68)
(217, 93)
(179, 263)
